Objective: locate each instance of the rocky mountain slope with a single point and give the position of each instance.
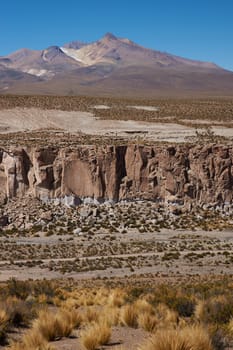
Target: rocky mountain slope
(111, 65)
(179, 173)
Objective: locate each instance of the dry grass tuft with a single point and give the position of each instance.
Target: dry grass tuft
(54, 326)
(47, 326)
(189, 338)
(117, 298)
(128, 316)
(218, 309)
(95, 335)
(143, 306)
(4, 317)
(148, 322)
(166, 315)
(101, 296)
(91, 315)
(18, 312)
(230, 327)
(32, 340)
(110, 315)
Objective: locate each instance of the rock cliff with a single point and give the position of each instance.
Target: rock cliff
(183, 173)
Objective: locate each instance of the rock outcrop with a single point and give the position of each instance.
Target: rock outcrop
(182, 173)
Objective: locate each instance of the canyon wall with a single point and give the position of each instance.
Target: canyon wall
(183, 173)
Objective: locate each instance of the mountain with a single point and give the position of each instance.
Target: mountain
(110, 66)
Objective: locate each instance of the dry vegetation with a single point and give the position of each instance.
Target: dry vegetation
(186, 315)
(199, 114)
(118, 239)
(64, 139)
(214, 109)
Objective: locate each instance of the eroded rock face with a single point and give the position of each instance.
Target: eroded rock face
(198, 174)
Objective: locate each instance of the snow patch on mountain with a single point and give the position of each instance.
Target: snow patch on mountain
(73, 54)
(145, 108)
(39, 72)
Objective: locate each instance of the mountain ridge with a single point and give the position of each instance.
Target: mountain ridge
(111, 65)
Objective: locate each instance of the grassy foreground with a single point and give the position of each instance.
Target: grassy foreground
(180, 315)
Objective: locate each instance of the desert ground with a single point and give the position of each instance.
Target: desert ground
(31, 119)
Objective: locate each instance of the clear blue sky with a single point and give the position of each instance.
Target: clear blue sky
(199, 29)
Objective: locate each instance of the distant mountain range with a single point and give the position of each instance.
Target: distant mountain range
(110, 66)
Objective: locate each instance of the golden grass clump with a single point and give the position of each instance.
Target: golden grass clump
(95, 335)
(87, 298)
(89, 339)
(188, 338)
(70, 303)
(91, 315)
(72, 318)
(110, 315)
(42, 298)
(142, 306)
(32, 340)
(101, 296)
(128, 316)
(148, 322)
(230, 327)
(117, 298)
(166, 315)
(57, 301)
(4, 317)
(218, 309)
(16, 312)
(54, 326)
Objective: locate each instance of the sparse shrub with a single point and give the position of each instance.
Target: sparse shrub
(214, 310)
(20, 289)
(184, 305)
(218, 337)
(17, 312)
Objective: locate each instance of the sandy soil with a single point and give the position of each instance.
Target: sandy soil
(125, 337)
(20, 119)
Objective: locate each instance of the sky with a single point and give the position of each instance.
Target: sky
(197, 29)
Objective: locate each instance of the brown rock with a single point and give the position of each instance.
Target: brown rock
(197, 174)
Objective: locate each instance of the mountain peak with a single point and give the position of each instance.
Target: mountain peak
(110, 36)
(76, 45)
